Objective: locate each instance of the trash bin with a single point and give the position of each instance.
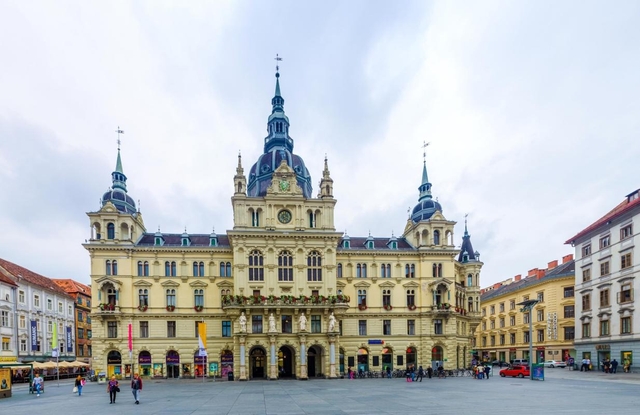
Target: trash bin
(230, 376)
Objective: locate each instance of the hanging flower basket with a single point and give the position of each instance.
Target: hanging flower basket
(142, 307)
(388, 307)
(198, 308)
(171, 307)
(412, 307)
(362, 307)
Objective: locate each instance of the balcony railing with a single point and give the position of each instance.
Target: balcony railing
(284, 300)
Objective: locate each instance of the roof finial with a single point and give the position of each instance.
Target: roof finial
(158, 228)
(424, 152)
(277, 59)
(138, 205)
(465, 224)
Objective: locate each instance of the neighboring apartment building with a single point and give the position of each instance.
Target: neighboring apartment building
(608, 273)
(503, 333)
(410, 299)
(82, 295)
(8, 338)
(40, 304)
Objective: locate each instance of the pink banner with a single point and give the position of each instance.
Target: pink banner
(130, 337)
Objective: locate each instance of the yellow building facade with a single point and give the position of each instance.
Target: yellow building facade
(282, 294)
(503, 333)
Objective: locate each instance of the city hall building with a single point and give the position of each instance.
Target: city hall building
(282, 294)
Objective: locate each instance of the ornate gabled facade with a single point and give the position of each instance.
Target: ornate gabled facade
(82, 314)
(283, 294)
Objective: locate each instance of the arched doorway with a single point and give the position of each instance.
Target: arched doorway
(341, 360)
(257, 360)
(144, 363)
(286, 363)
(411, 357)
(226, 363)
(114, 363)
(437, 357)
(173, 364)
(363, 360)
(314, 361)
(387, 359)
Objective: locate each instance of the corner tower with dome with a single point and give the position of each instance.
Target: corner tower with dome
(282, 294)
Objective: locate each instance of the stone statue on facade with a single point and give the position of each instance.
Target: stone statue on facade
(303, 322)
(332, 323)
(272, 324)
(243, 323)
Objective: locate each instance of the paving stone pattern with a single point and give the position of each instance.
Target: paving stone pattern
(563, 392)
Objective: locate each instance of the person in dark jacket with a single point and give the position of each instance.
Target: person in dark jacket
(420, 373)
(136, 387)
(614, 366)
(113, 387)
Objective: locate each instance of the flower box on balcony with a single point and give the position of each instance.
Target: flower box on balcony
(198, 308)
(387, 307)
(362, 307)
(142, 307)
(411, 307)
(171, 307)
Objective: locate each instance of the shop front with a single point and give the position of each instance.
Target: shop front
(144, 363)
(411, 356)
(387, 359)
(199, 365)
(226, 363)
(173, 364)
(604, 353)
(363, 360)
(114, 364)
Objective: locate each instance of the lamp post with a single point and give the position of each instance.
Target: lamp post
(527, 306)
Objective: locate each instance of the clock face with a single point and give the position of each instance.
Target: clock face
(284, 216)
(284, 185)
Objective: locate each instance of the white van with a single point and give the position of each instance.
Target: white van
(520, 362)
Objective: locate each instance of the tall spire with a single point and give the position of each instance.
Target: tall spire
(278, 123)
(425, 186)
(466, 250)
(118, 177)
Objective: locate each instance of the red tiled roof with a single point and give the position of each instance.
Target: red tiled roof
(625, 206)
(71, 286)
(30, 276)
(7, 280)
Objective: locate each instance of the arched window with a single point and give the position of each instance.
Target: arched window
(412, 271)
(223, 270)
(436, 237)
(285, 266)
(143, 297)
(256, 266)
(140, 269)
(339, 272)
(470, 280)
(358, 271)
(364, 270)
(171, 297)
(167, 269)
(411, 298)
(201, 267)
(312, 220)
(108, 267)
(255, 219)
(439, 270)
(111, 231)
(198, 298)
(228, 269)
(383, 271)
(362, 297)
(388, 270)
(386, 297)
(198, 269)
(173, 268)
(406, 271)
(314, 266)
(146, 268)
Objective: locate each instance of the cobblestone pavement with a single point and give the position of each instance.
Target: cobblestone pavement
(562, 392)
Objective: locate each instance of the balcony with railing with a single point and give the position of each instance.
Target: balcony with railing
(285, 301)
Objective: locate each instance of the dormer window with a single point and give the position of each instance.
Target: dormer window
(213, 242)
(185, 241)
(369, 244)
(465, 256)
(346, 244)
(158, 241)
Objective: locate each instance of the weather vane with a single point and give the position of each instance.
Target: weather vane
(119, 131)
(424, 153)
(277, 59)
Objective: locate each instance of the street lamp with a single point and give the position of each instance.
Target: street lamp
(527, 306)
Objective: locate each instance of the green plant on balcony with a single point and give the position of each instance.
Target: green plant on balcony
(171, 307)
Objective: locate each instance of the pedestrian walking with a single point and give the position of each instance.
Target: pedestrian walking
(38, 384)
(420, 373)
(487, 369)
(113, 387)
(79, 384)
(614, 366)
(429, 372)
(136, 387)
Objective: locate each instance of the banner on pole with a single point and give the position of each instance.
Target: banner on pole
(130, 338)
(34, 335)
(69, 340)
(202, 339)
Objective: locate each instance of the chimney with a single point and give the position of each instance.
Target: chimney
(567, 258)
(497, 285)
(518, 277)
(552, 264)
(541, 273)
(532, 272)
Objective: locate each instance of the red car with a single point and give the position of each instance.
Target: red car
(516, 371)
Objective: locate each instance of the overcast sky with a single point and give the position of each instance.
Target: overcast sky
(531, 109)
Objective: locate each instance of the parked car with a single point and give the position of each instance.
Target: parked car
(555, 363)
(515, 371)
(499, 363)
(520, 362)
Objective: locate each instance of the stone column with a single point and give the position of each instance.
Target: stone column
(332, 357)
(243, 361)
(303, 357)
(273, 363)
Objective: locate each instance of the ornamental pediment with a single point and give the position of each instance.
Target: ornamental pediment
(198, 283)
(225, 283)
(104, 280)
(387, 284)
(108, 208)
(439, 281)
(411, 284)
(284, 182)
(142, 283)
(170, 284)
(340, 284)
(362, 284)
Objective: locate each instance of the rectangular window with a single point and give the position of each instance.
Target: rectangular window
(484, 311)
(502, 340)
(493, 309)
(493, 340)
(541, 297)
(89, 335)
(625, 325)
(144, 329)
(512, 338)
(604, 268)
(525, 318)
(604, 298)
(512, 305)
(625, 261)
(36, 300)
(23, 345)
(586, 250)
(21, 297)
(484, 342)
(316, 324)
(512, 320)
(569, 333)
(568, 292)
(226, 329)
(4, 319)
(60, 308)
(626, 293)
(586, 330)
(493, 324)
(586, 274)
(411, 327)
(502, 307)
(540, 314)
(171, 329)
(626, 232)
(112, 329)
(569, 311)
(586, 302)
(437, 326)
(604, 327)
(23, 322)
(79, 316)
(540, 336)
(256, 324)
(81, 333)
(362, 327)
(502, 322)
(386, 327)
(5, 344)
(605, 241)
(287, 324)
(49, 304)
(526, 337)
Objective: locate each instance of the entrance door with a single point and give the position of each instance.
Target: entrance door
(173, 371)
(258, 358)
(285, 363)
(311, 362)
(602, 356)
